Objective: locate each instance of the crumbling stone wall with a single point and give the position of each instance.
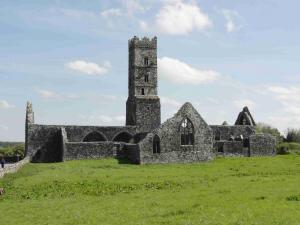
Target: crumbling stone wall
(12, 168)
(262, 145)
(171, 149)
(89, 150)
(48, 143)
(226, 132)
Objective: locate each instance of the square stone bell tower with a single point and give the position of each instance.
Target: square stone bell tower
(143, 104)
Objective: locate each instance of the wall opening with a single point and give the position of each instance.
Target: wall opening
(146, 61)
(217, 135)
(94, 137)
(143, 91)
(187, 132)
(146, 78)
(123, 137)
(156, 145)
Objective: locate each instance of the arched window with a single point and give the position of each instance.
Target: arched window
(187, 132)
(217, 135)
(94, 137)
(123, 137)
(143, 91)
(156, 145)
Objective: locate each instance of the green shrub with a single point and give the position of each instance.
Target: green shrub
(292, 135)
(288, 148)
(262, 128)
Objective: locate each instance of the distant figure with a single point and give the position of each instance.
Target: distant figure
(2, 161)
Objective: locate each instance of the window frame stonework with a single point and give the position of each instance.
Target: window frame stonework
(187, 134)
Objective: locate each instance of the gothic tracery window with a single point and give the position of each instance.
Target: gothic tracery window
(187, 132)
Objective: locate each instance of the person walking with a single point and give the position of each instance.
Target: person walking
(2, 162)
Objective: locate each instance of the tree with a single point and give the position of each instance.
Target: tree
(293, 135)
(263, 128)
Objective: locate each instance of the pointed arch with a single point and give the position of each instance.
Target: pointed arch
(123, 136)
(156, 144)
(94, 136)
(186, 132)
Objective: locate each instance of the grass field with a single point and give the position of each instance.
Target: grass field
(225, 191)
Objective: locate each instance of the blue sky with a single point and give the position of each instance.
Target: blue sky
(70, 59)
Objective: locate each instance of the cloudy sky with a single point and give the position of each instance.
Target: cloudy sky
(70, 59)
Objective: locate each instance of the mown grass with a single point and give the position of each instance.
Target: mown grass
(231, 191)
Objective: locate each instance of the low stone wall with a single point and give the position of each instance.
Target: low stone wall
(233, 147)
(262, 145)
(89, 150)
(12, 168)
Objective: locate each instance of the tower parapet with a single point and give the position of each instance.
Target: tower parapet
(144, 42)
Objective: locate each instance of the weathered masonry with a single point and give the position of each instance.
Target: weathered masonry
(185, 137)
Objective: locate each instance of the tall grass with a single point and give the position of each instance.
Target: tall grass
(225, 191)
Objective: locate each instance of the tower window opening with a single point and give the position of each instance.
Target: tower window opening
(143, 91)
(146, 78)
(146, 61)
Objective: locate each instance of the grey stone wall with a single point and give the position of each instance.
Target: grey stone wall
(47, 143)
(143, 104)
(29, 119)
(144, 113)
(132, 152)
(139, 49)
(44, 143)
(262, 145)
(170, 140)
(89, 150)
(12, 168)
(227, 131)
(234, 148)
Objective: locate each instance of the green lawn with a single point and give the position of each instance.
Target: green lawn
(225, 191)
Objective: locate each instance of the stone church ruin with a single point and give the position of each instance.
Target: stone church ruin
(185, 137)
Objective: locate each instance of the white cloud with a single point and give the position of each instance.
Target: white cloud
(179, 18)
(179, 72)
(79, 14)
(133, 6)
(167, 102)
(51, 95)
(288, 115)
(231, 18)
(5, 105)
(240, 103)
(89, 68)
(102, 119)
(3, 127)
(48, 94)
(111, 12)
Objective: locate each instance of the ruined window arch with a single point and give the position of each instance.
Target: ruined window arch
(186, 132)
(123, 137)
(156, 144)
(143, 91)
(94, 136)
(217, 135)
